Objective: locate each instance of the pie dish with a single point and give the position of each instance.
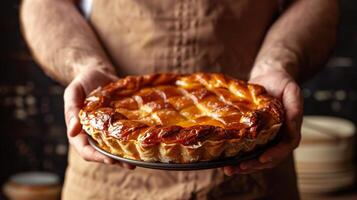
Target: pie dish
(180, 118)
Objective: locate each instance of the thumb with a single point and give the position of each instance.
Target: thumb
(293, 103)
(73, 99)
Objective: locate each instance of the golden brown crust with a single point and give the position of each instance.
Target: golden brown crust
(180, 118)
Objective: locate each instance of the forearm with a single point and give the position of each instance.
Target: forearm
(301, 40)
(60, 39)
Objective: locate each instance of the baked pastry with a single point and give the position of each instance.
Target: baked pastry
(180, 118)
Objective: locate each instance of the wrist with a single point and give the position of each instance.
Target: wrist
(92, 64)
(78, 61)
(278, 59)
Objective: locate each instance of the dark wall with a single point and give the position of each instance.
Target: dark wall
(334, 90)
(32, 135)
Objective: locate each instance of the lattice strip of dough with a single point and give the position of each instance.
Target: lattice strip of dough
(154, 109)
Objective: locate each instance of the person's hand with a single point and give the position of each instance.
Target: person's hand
(74, 96)
(281, 85)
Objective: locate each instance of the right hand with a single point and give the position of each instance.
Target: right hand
(74, 96)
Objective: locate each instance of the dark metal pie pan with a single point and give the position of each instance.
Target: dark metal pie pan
(187, 166)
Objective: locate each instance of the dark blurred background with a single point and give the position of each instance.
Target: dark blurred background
(33, 134)
(31, 107)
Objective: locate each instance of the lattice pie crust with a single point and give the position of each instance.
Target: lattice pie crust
(180, 118)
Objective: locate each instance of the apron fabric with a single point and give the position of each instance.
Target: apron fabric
(185, 36)
(94, 181)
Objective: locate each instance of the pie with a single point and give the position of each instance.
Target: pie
(180, 118)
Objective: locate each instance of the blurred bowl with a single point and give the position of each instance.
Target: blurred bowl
(327, 144)
(324, 159)
(33, 186)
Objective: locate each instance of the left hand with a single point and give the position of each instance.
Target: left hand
(282, 86)
(76, 92)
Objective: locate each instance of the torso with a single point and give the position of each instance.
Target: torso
(179, 36)
(183, 36)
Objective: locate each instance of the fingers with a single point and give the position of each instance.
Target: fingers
(290, 94)
(129, 166)
(277, 153)
(88, 153)
(254, 165)
(293, 104)
(231, 170)
(74, 96)
(251, 166)
(292, 100)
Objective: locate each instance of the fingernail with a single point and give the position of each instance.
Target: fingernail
(107, 161)
(266, 159)
(243, 167)
(70, 126)
(128, 166)
(71, 122)
(228, 171)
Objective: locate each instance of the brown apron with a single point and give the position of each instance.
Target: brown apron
(146, 36)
